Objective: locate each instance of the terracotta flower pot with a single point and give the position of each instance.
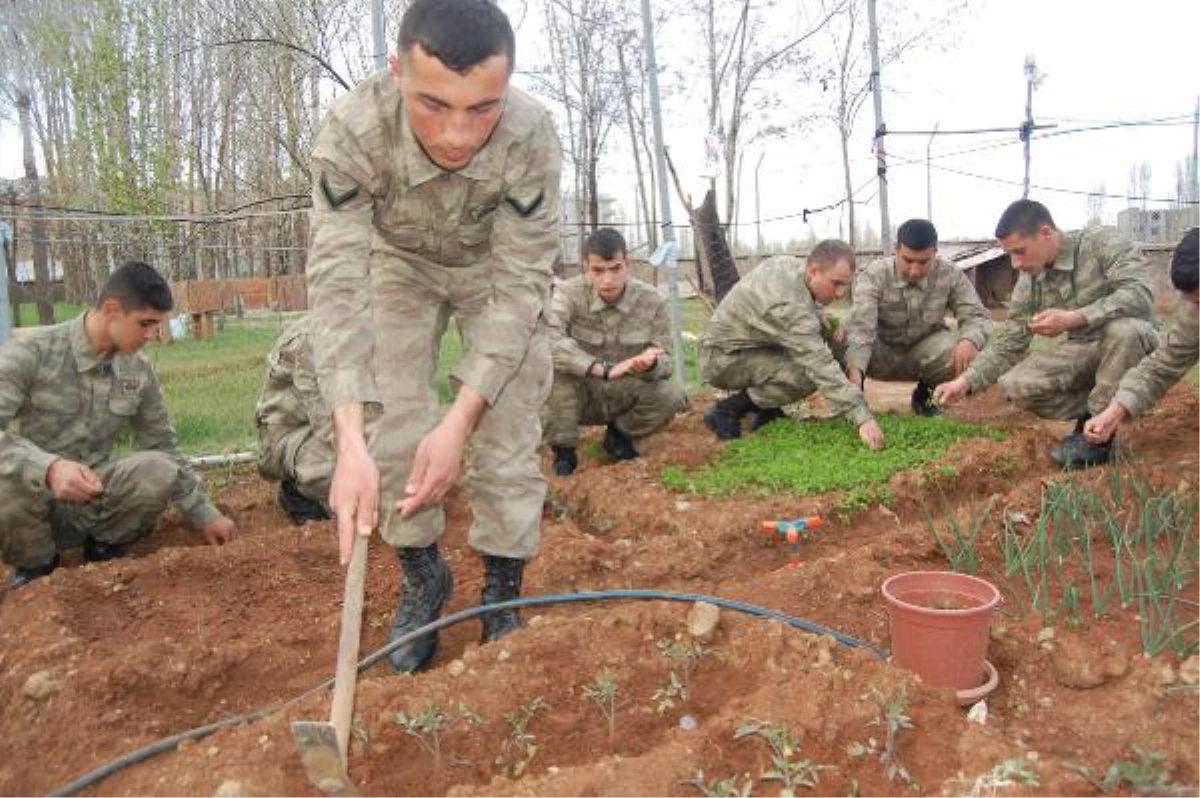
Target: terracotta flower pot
(939, 624)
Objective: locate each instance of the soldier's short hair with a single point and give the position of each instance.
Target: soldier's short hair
(137, 286)
(1185, 274)
(459, 33)
(917, 234)
(828, 253)
(1024, 218)
(605, 243)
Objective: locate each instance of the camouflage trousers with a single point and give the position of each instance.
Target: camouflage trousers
(300, 454)
(927, 361)
(637, 407)
(771, 375)
(1078, 377)
(413, 305)
(33, 525)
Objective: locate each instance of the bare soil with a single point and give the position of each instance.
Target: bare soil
(98, 660)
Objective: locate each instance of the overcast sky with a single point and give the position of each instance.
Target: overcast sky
(1102, 61)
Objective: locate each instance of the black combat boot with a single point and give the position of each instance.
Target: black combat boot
(618, 445)
(501, 582)
(565, 461)
(922, 401)
(300, 508)
(725, 417)
(23, 576)
(765, 416)
(425, 590)
(99, 551)
(1076, 451)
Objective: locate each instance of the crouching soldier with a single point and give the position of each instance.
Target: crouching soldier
(66, 392)
(612, 364)
(295, 433)
(770, 342)
(1144, 384)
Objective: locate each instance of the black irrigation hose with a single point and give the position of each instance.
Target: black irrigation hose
(170, 743)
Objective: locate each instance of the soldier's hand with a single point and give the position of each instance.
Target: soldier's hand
(354, 496)
(1100, 428)
(951, 391)
(871, 434)
(219, 531)
(857, 378)
(73, 482)
(1055, 320)
(435, 468)
(962, 355)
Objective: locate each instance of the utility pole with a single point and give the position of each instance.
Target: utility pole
(668, 248)
(929, 175)
(378, 38)
(1031, 81)
(885, 227)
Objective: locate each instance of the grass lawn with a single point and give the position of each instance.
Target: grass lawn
(63, 311)
(211, 386)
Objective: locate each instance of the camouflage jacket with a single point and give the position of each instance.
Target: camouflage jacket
(375, 194)
(1144, 384)
(890, 310)
(60, 399)
(772, 307)
(584, 328)
(290, 397)
(1097, 272)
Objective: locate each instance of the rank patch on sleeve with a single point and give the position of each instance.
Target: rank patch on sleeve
(337, 199)
(523, 209)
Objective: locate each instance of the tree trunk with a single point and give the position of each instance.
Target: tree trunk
(710, 238)
(845, 141)
(41, 265)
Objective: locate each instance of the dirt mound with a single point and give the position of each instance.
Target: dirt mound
(97, 660)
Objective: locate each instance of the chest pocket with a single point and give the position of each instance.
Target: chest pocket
(588, 335)
(634, 335)
(125, 396)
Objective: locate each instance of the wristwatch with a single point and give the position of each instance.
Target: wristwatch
(607, 368)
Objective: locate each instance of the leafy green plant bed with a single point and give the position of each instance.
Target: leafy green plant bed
(821, 456)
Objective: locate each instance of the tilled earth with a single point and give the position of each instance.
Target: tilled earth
(99, 660)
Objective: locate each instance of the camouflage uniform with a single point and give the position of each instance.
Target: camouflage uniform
(399, 245)
(1104, 277)
(585, 329)
(60, 399)
(295, 434)
(767, 337)
(898, 331)
(1144, 384)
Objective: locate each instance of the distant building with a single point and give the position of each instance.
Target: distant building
(1158, 226)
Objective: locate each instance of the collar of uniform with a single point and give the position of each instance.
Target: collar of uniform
(624, 303)
(900, 282)
(421, 169)
(86, 357)
(1064, 261)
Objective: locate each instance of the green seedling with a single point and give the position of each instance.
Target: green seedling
(1145, 773)
(785, 767)
(521, 747)
(1006, 774)
(960, 544)
(664, 698)
(723, 788)
(430, 726)
(893, 716)
(602, 691)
